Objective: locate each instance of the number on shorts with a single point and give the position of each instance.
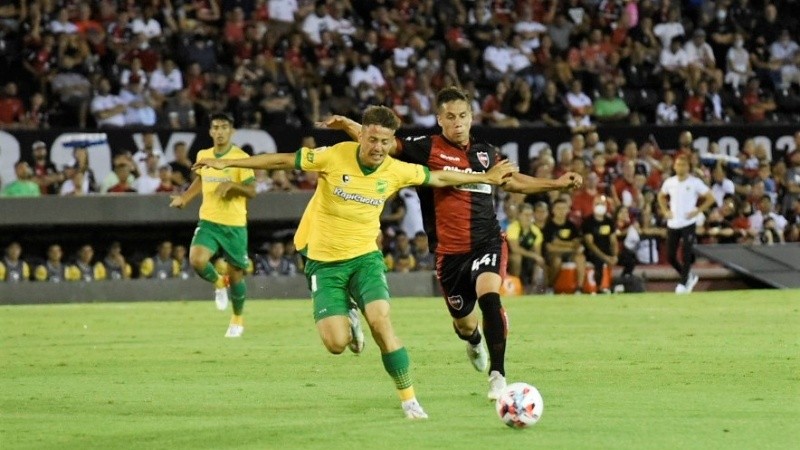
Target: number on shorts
(489, 259)
(313, 283)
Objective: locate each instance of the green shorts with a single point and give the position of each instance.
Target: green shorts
(332, 284)
(232, 241)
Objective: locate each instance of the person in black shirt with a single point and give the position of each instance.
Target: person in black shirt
(562, 243)
(600, 239)
(551, 106)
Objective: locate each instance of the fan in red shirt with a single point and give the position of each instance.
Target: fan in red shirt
(470, 249)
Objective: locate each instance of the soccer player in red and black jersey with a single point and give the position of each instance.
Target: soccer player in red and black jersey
(470, 248)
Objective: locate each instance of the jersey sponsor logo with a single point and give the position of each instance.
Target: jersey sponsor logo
(381, 186)
(456, 302)
(345, 179)
(217, 179)
(480, 188)
(310, 156)
(565, 234)
(357, 197)
(483, 158)
(605, 230)
(447, 157)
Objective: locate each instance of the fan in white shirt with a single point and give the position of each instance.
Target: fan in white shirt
(682, 214)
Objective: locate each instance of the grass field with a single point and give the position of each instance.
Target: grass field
(654, 371)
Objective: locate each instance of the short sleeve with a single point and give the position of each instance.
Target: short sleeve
(701, 187)
(415, 149)
(314, 159)
(412, 174)
(513, 231)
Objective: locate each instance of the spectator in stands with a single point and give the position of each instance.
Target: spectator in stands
(721, 185)
(180, 110)
(738, 68)
(562, 243)
(275, 263)
(551, 106)
(702, 64)
(149, 147)
(402, 249)
(149, 180)
(281, 182)
(757, 104)
(791, 181)
(108, 109)
(793, 222)
(182, 172)
(641, 239)
(162, 265)
(45, 173)
(120, 179)
(134, 72)
(610, 108)
(12, 110)
(770, 234)
(23, 186)
(181, 255)
(425, 259)
(785, 53)
(600, 239)
(670, 29)
(716, 229)
(117, 268)
(139, 105)
(84, 269)
(674, 63)
(580, 108)
(12, 268)
(667, 112)
(765, 210)
(583, 200)
(525, 241)
(166, 186)
(53, 269)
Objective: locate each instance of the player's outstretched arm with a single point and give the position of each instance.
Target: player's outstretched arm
(194, 189)
(526, 184)
(497, 175)
(268, 161)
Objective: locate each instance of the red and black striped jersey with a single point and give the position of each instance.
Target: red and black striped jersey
(464, 215)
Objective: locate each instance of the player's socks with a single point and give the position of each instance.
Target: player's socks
(495, 329)
(397, 366)
(237, 320)
(474, 339)
(238, 294)
(209, 273)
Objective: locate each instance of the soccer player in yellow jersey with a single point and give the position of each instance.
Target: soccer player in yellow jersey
(338, 232)
(223, 220)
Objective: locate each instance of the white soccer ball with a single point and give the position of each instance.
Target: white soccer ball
(520, 405)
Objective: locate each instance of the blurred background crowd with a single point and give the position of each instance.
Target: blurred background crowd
(113, 63)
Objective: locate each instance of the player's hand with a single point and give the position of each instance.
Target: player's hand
(334, 122)
(693, 213)
(218, 164)
(501, 172)
(177, 202)
(668, 215)
(224, 189)
(570, 181)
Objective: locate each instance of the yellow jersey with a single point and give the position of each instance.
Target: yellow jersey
(532, 240)
(233, 211)
(342, 219)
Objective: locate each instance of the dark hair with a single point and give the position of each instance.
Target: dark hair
(450, 94)
(382, 116)
(221, 116)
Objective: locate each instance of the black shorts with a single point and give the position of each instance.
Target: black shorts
(457, 274)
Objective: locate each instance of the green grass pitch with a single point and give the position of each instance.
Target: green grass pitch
(653, 371)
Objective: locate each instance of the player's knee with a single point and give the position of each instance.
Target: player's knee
(334, 347)
(198, 261)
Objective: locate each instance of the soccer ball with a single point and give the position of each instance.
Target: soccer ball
(520, 405)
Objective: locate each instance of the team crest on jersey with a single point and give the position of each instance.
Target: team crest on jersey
(456, 302)
(310, 156)
(381, 186)
(483, 158)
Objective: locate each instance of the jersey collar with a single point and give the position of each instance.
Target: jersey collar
(364, 169)
(220, 155)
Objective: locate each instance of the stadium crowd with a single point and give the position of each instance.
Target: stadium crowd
(757, 202)
(170, 63)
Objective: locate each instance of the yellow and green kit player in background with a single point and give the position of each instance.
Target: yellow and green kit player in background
(338, 231)
(223, 220)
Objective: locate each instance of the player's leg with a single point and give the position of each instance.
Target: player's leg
(204, 245)
(234, 245)
(488, 275)
(328, 285)
(371, 292)
(454, 274)
(580, 269)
